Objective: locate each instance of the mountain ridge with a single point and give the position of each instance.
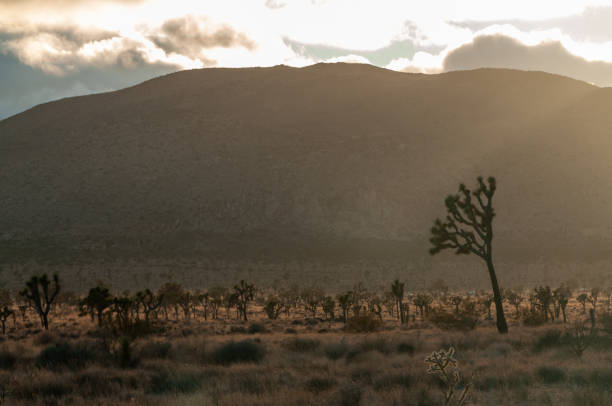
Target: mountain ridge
(304, 159)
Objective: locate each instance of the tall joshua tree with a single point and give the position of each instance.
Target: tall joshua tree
(40, 292)
(468, 229)
(397, 290)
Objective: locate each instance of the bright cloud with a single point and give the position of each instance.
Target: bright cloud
(64, 38)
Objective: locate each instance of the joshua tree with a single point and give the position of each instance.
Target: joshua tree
(562, 295)
(5, 313)
(544, 298)
(397, 289)
(273, 307)
(468, 229)
(244, 293)
(40, 292)
(582, 299)
(456, 300)
(486, 302)
(422, 301)
(172, 293)
(98, 300)
(149, 302)
(344, 301)
(329, 306)
(515, 299)
(593, 297)
(185, 301)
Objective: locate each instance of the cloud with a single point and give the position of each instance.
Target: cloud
(592, 25)
(61, 50)
(275, 4)
(190, 35)
(502, 51)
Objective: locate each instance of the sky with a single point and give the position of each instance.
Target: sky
(50, 49)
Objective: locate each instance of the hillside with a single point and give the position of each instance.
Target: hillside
(337, 163)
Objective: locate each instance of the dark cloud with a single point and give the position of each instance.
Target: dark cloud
(189, 36)
(593, 24)
(499, 51)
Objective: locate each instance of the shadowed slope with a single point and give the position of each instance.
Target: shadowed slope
(324, 161)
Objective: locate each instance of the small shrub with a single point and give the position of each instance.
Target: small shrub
(8, 360)
(336, 351)
(351, 395)
(44, 338)
(164, 381)
(550, 339)
(532, 318)
(405, 348)
(241, 351)
(550, 374)
(366, 323)
(446, 320)
(256, 328)
(64, 355)
(387, 382)
(299, 344)
(379, 345)
(155, 350)
(237, 330)
(319, 384)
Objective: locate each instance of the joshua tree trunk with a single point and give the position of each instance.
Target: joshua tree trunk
(502, 326)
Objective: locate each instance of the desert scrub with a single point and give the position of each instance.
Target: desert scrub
(241, 351)
(300, 344)
(65, 355)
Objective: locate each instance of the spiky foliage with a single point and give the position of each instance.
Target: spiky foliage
(544, 298)
(468, 229)
(5, 313)
(344, 301)
(515, 299)
(443, 365)
(397, 290)
(561, 296)
(582, 299)
(273, 307)
(149, 301)
(40, 292)
(244, 292)
(96, 302)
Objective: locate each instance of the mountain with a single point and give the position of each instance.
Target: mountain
(332, 163)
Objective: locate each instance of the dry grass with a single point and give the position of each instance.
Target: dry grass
(313, 365)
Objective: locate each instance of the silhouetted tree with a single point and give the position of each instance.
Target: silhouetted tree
(344, 301)
(40, 292)
(544, 298)
(422, 301)
(397, 290)
(5, 313)
(98, 300)
(561, 296)
(273, 307)
(582, 299)
(171, 293)
(468, 229)
(594, 297)
(244, 292)
(329, 307)
(149, 301)
(515, 299)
